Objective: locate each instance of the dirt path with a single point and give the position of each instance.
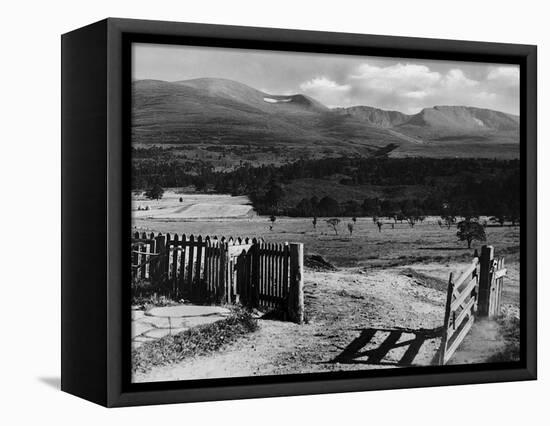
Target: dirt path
(481, 343)
(490, 340)
(355, 320)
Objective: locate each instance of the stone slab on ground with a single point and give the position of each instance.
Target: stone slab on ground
(158, 333)
(137, 314)
(139, 328)
(181, 311)
(159, 322)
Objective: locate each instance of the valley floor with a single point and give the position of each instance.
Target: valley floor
(381, 308)
(355, 320)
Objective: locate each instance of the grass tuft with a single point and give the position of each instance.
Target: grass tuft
(509, 327)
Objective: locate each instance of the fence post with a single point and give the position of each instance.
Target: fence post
(255, 279)
(444, 336)
(159, 263)
(485, 263)
(296, 286)
(222, 294)
(499, 289)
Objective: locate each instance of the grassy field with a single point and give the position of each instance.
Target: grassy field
(428, 248)
(175, 205)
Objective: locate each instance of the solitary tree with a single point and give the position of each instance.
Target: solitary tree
(314, 222)
(333, 223)
(181, 199)
(379, 224)
(469, 231)
(350, 229)
(155, 193)
(354, 219)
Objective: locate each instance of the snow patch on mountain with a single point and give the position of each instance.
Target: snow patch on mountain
(276, 101)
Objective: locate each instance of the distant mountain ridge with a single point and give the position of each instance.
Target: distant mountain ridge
(375, 116)
(462, 117)
(214, 110)
(444, 116)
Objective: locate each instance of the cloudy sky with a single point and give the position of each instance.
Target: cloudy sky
(405, 85)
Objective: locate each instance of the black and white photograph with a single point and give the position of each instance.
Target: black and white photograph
(298, 213)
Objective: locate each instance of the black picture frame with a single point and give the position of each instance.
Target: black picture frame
(96, 211)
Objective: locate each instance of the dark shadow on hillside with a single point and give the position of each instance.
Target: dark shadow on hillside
(355, 351)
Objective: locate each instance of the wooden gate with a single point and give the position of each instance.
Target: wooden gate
(273, 275)
(476, 293)
(459, 311)
(492, 272)
(258, 274)
(498, 273)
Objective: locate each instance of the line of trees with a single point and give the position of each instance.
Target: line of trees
(452, 187)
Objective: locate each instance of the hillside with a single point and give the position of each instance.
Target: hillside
(211, 111)
(464, 119)
(374, 116)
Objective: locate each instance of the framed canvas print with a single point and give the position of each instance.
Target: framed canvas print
(252, 212)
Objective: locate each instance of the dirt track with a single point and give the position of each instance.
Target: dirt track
(355, 320)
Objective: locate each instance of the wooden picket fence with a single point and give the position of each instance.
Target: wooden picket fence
(476, 293)
(211, 270)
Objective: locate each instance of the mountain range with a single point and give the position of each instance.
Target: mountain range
(220, 111)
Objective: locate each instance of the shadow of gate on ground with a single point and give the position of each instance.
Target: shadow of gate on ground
(353, 353)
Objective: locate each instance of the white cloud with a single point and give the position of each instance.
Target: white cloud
(457, 80)
(398, 77)
(323, 83)
(326, 91)
(417, 94)
(410, 87)
(507, 74)
(486, 96)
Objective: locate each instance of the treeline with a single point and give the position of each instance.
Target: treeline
(403, 210)
(461, 187)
